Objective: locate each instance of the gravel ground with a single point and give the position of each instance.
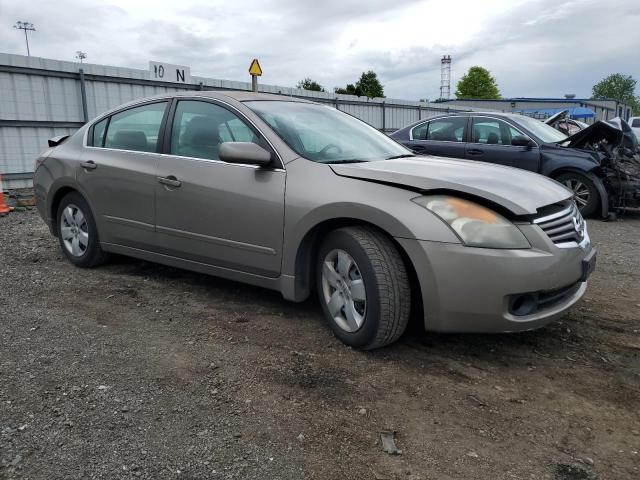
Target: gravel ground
(139, 370)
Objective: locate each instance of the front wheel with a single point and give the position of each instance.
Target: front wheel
(363, 287)
(584, 191)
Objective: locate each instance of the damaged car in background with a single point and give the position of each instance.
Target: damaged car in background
(599, 164)
(616, 177)
(563, 122)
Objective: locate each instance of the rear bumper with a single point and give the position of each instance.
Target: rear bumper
(472, 289)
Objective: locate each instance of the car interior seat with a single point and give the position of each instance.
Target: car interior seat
(129, 140)
(200, 139)
(492, 138)
(442, 136)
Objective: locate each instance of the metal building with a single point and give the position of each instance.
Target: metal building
(41, 98)
(601, 109)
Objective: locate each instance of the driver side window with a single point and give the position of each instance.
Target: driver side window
(199, 128)
(491, 131)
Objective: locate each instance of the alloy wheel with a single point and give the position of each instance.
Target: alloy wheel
(580, 191)
(343, 290)
(74, 230)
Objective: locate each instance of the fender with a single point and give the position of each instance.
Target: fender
(597, 182)
(554, 158)
(604, 196)
(62, 183)
(299, 243)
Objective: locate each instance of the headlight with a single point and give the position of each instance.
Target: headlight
(476, 225)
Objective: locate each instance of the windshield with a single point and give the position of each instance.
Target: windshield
(324, 134)
(541, 130)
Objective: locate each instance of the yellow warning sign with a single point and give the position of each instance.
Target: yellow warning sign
(255, 69)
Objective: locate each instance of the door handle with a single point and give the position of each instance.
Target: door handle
(170, 181)
(475, 151)
(89, 165)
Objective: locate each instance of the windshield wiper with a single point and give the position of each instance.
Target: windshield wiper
(334, 162)
(404, 155)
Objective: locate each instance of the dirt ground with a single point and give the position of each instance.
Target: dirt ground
(138, 370)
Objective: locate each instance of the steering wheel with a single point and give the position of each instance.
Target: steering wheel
(326, 149)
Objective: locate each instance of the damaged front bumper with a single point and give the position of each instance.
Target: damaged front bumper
(622, 181)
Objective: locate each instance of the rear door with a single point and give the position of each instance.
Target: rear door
(117, 173)
(209, 211)
(443, 136)
(491, 142)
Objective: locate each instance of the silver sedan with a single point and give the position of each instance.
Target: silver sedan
(295, 196)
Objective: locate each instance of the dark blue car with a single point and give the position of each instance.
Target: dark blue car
(595, 163)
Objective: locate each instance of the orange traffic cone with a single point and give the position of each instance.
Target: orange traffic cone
(4, 208)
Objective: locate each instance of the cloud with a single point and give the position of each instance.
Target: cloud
(532, 47)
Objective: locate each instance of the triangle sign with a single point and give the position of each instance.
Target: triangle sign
(255, 69)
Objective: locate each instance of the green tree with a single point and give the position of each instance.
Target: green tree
(350, 89)
(367, 86)
(618, 87)
(478, 83)
(308, 84)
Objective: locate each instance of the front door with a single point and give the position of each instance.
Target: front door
(491, 142)
(213, 212)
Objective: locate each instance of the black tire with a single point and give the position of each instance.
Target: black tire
(91, 255)
(386, 282)
(593, 202)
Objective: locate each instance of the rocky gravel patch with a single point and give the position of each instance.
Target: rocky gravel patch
(135, 370)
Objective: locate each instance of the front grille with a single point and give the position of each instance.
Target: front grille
(565, 227)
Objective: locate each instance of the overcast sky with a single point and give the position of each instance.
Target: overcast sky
(534, 48)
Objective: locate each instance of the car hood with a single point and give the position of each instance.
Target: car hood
(519, 191)
(594, 133)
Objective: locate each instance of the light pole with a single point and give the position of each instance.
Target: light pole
(25, 26)
(81, 55)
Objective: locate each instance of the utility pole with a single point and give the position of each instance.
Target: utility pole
(81, 55)
(25, 26)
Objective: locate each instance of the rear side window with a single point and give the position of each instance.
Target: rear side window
(97, 139)
(636, 122)
(447, 129)
(136, 129)
(420, 132)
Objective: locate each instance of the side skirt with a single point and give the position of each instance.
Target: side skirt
(276, 283)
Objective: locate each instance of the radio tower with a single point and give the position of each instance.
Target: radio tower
(445, 77)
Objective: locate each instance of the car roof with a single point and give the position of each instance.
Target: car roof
(514, 116)
(483, 114)
(236, 95)
(239, 95)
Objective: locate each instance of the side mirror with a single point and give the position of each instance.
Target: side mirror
(521, 141)
(246, 153)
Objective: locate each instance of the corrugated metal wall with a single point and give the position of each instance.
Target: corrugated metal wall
(41, 98)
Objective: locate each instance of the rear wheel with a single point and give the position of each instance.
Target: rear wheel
(77, 232)
(584, 191)
(363, 287)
